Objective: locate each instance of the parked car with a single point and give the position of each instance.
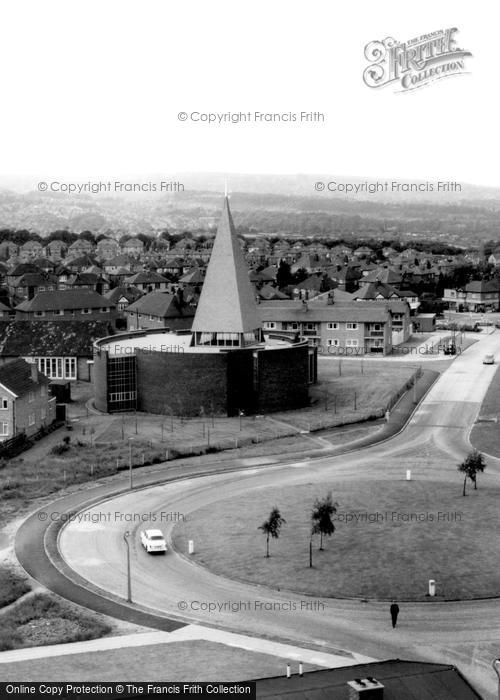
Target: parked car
(153, 541)
(489, 360)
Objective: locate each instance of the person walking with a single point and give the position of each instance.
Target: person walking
(394, 613)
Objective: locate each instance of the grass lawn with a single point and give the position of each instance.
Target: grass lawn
(12, 586)
(486, 436)
(349, 391)
(42, 619)
(391, 557)
(173, 662)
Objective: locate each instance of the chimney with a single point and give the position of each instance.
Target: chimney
(365, 689)
(305, 306)
(34, 372)
(331, 297)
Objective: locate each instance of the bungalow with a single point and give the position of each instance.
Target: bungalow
(25, 403)
(60, 349)
(160, 310)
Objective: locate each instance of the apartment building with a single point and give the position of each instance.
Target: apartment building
(354, 328)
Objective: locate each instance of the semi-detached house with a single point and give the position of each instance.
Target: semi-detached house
(25, 403)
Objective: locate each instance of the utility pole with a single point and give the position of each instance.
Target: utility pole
(129, 581)
(130, 462)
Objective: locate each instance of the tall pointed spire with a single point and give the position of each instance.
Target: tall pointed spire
(227, 312)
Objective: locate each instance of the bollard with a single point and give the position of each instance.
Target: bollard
(191, 546)
(288, 671)
(408, 475)
(432, 587)
(301, 669)
(387, 415)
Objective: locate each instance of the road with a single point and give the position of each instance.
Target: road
(466, 634)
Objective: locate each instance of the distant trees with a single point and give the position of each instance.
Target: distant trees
(284, 274)
(272, 526)
(472, 464)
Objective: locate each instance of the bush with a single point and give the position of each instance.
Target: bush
(43, 606)
(59, 449)
(12, 586)
(9, 638)
(66, 439)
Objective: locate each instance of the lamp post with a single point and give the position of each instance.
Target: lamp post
(131, 486)
(496, 668)
(129, 582)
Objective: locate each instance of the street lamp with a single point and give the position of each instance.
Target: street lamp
(131, 486)
(129, 582)
(496, 668)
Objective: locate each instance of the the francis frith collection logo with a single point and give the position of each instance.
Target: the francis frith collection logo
(415, 63)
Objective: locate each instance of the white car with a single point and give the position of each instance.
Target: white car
(153, 541)
(489, 360)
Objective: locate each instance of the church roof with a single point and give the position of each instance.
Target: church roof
(227, 300)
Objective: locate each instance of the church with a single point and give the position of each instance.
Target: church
(224, 364)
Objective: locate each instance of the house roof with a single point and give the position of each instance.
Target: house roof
(296, 310)
(51, 338)
(227, 300)
(130, 293)
(482, 286)
(35, 279)
(411, 680)
(64, 299)
(22, 269)
(384, 274)
(16, 377)
(145, 277)
(194, 276)
(161, 304)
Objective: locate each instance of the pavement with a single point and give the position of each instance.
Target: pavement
(464, 633)
(187, 633)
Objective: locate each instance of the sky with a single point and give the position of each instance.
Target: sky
(95, 88)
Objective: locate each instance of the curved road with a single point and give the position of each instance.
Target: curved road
(462, 633)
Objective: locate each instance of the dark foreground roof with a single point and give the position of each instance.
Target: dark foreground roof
(50, 338)
(16, 376)
(402, 680)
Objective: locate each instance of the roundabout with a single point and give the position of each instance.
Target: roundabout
(175, 589)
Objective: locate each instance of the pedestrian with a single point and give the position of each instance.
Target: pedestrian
(394, 613)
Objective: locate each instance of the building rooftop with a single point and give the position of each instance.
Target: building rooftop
(227, 300)
(16, 376)
(164, 340)
(402, 680)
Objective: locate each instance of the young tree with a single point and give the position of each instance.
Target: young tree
(321, 517)
(272, 526)
(472, 464)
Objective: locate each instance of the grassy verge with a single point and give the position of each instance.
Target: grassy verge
(12, 586)
(372, 552)
(42, 619)
(193, 660)
(485, 435)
